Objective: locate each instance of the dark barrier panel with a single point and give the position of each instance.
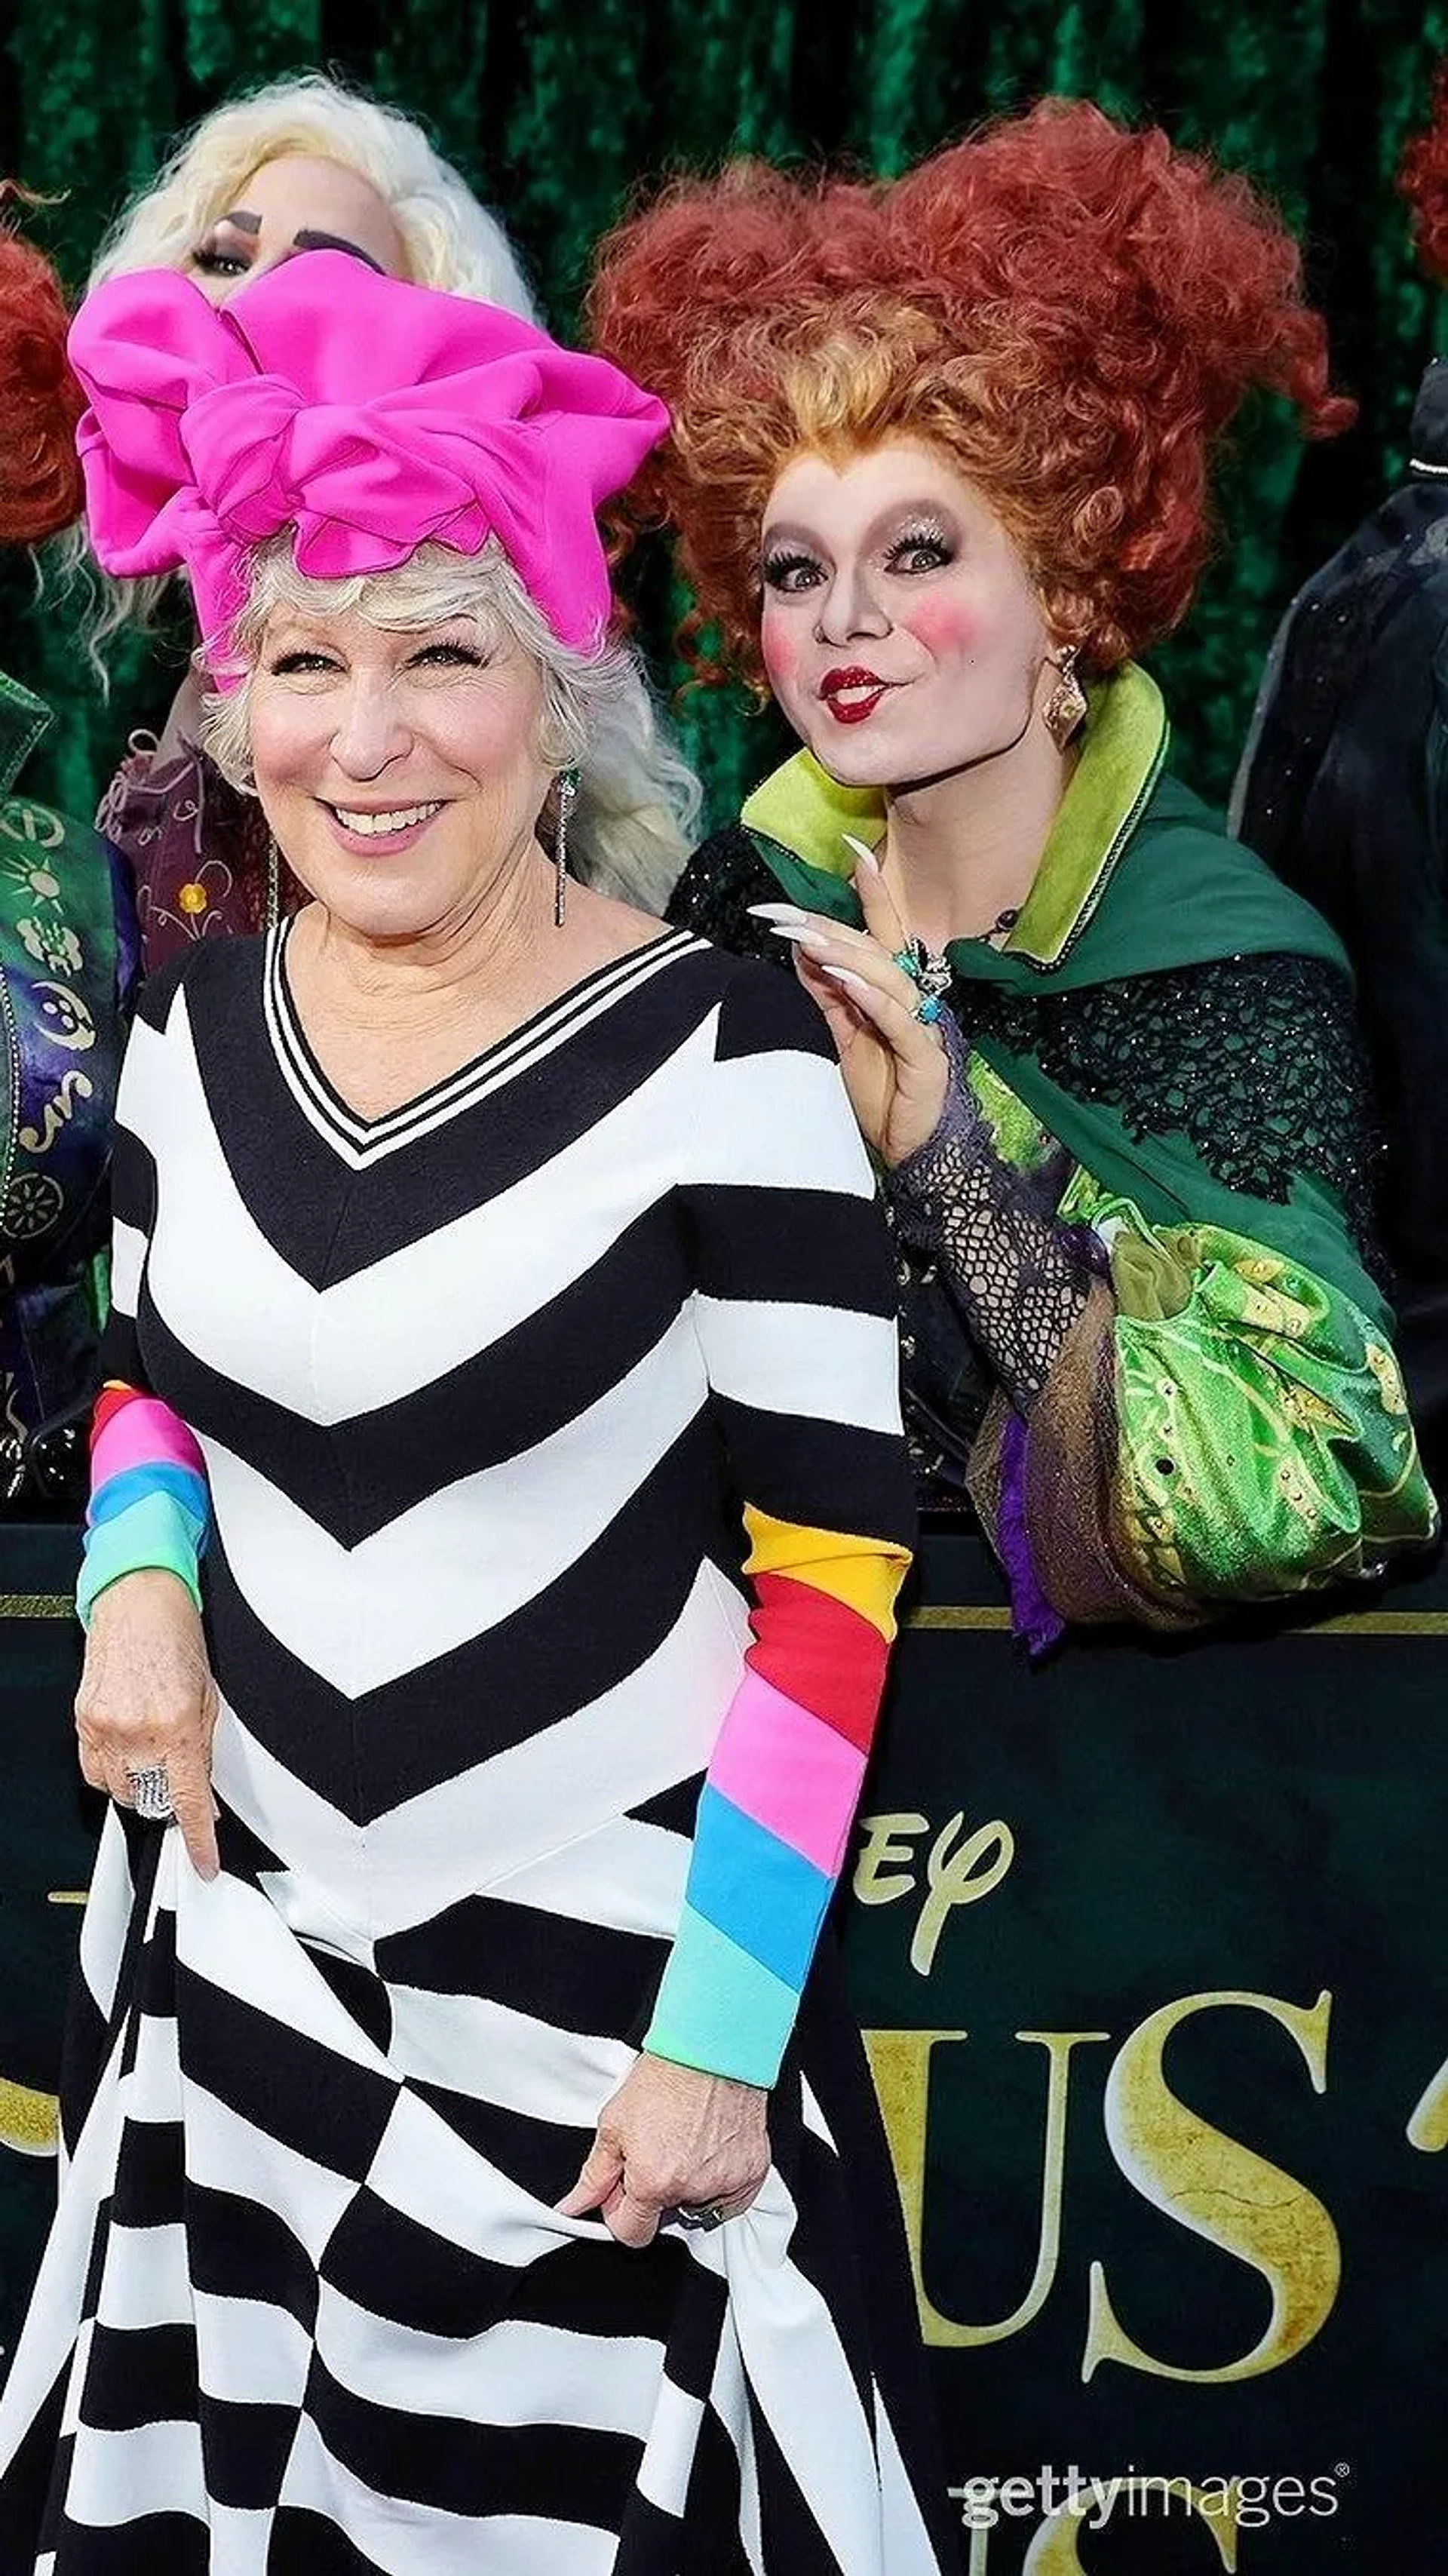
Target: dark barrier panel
(1150, 1948)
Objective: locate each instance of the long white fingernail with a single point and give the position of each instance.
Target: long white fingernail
(842, 975)
(778, 912)
(863, 852)
(812, 940)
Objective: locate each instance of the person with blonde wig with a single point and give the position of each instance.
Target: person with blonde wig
(938, 474)
(301, 164)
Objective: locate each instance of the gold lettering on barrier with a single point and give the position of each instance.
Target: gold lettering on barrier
(888, 1868)
(900, 2061)
(1428, 2127)
(1220, 2190)
(1053, 2550)
(29, 2121)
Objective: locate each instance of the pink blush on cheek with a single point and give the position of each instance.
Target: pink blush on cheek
(948, 630)
(780, 651)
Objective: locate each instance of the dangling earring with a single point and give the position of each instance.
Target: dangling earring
(1065, 708)
(567, 790)
(273, 882)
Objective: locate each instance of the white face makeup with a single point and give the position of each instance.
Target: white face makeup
(900, 629)
(399, 772)
(292, 205)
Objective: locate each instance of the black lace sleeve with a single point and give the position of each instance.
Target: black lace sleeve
(723, 878)
(1257, 1061)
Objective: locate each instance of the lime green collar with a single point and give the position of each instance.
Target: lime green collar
(806, 813)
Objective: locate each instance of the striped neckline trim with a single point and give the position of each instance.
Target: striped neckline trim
(364, 1140)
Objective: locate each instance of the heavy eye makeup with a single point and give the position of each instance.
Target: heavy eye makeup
(311, 661)
(922, 545)
(229, 248)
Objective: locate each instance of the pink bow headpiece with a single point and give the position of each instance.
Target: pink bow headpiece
(369, 415)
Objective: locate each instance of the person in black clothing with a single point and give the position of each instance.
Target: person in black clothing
(1344, 790)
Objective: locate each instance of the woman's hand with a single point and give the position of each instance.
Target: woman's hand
(672, 2138)
(146, 1697)
(894, 1065)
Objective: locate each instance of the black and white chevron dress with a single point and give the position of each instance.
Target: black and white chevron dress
(473, 1608)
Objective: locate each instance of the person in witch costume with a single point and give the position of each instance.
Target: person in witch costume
(937, 473)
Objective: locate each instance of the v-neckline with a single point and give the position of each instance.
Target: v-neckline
(362, 1140)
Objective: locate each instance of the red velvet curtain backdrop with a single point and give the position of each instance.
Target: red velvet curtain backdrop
(554, 108)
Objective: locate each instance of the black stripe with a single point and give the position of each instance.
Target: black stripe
(173, 2541)
(140, 2375)
(355, 1477)
(791, 1247)
(388, 2263)
(453, 2466)
(238, 2248)
(766, 1013)
(527, 1673)
(246, 2448)
(829, 1475)
(302, 2095)
(150, 2185)
(574, 1976)
(307, 2544)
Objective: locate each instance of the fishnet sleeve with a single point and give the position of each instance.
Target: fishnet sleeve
(1020, 1279)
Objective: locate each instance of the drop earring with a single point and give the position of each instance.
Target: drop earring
(1065, 708)
(567, 790)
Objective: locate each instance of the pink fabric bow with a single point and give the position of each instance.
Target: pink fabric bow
(366, 414)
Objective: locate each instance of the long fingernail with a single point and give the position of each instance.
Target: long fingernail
(811, 940)
(863, 852)
(842, 975)
(779, 912)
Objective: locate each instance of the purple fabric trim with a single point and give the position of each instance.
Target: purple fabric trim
(1032, 1617)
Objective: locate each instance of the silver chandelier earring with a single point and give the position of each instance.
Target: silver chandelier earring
(567, 790)
(1065, 708)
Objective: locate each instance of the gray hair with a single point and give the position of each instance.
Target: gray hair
(638, 800)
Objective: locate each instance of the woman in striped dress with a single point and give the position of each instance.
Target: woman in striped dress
(470, 2165)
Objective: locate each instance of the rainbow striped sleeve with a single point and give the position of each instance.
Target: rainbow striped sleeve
(148, 1501)
(794, 1308)
(779, 1797)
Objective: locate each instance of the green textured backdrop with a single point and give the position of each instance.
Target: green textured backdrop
(554, 107)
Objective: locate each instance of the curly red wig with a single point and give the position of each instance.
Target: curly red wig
(40, 400)
(1423, 179)
(1070, 310)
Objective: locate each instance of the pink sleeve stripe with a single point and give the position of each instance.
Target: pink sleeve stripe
(795, 1776)
(144, 1434)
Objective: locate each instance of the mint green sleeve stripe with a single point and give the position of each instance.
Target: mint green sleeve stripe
(718, 2009)
(156, 1532)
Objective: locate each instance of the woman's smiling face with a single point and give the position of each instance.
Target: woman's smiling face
(900, 629)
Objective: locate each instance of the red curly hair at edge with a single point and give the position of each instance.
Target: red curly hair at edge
(1423, 179)
(1071, 311)
(40, 400)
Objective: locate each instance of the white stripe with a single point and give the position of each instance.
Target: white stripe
(819, 1362)
(513, 2374)
(152, 2088)
(627, 1877)
(106, 1916)
(781, 1121)
(147, 2278)
(227, 1933)
(333, 1354)
(224, 2151)
(663, 2475)
(907, 2545)
(121, 2477)
(465, 1558)
(128, 1255)
(251, 2353)
(494, 1824)
(492, 2054)
(426, 2172)
(729, 2399)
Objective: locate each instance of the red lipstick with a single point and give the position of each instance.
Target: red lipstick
(852, 695)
